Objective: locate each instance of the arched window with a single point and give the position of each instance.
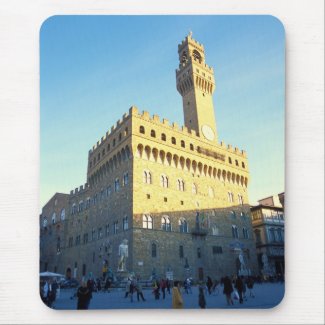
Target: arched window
(234, 230)
(164, 181)
(126, 132)
(182, 143)
(245, 233)
(163, 137)
(194, 189)
(230, 197)
(147, 222)
(117, 185)
(53, 218)
(153, 250)
(240, 199)
(141, 129)
(120, 137)
(210, 192)
(80, 206)
(229, 160)
(180, 185)
(215, 230)
(173, 140)
(191, 146)
(125, 179)
(243, 164)
(125, 223)
(62, 215)
(165, 223)
(184, 57)
(146, 177)
(183, 226)
(232, 215)
(153, 133)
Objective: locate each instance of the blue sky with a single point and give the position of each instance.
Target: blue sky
(93, 68)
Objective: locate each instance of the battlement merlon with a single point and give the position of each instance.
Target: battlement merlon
(79, 190)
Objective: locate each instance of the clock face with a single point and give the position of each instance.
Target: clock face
(208, 132)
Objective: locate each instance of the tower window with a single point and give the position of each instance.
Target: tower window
(173, 140)
(141, 129)
(163, 137)
(183, 144)
(114, 141)
(197, 56)
(229, 160)
(236, 162)
(243, 164)
(191, 146)
(153, 133)
(120, 136)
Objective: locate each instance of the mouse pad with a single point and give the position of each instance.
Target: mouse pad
(162, 152)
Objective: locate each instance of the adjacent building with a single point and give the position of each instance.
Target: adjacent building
(268, 225)
(177, 194)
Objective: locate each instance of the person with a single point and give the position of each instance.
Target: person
(107, 285)
(84, 295)
(227, 290)
(250, 285)
(177, 299)
(189, 285)
(209, 284)
(156, 288)
(168, 285)
(132, 288)
(127, 288)
(51, 296)
(44, 291)
(244, 288)
(215, 289)
(163, 287)
(239, 285)
(138, 288)
(202, 302)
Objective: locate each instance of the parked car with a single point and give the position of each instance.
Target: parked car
(71, 283)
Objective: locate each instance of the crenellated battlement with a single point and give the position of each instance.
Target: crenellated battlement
(79, 190)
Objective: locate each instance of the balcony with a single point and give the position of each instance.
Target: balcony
(199, 231)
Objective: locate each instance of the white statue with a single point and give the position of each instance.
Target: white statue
(242, 262)
(123, 253)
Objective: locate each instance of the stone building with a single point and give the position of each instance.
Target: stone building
(174, 192)
(268, 225)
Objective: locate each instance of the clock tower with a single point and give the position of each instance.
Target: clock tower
(195, 82)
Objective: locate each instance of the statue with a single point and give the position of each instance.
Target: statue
(123, 252)
(242, 263)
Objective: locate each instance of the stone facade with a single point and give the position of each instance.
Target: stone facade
(177, 195)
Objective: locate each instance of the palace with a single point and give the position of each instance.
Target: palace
(176, 194)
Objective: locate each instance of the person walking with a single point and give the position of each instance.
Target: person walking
(239, 285)
(250, 285)
(202, 301)
(127, 288)
(84, 295)
(228, 290)
(138, 288)
(168, 285)
(177, 299)
(209, 284)
(163, 287)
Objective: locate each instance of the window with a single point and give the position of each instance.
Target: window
(146, 177)
(245, 233)
(141, 129)
(182, 144)
(115, 227)
(126, 132)
(85, 238)
(191, 146)
(181, 251)
(163, 137)
(215, 230)
(165, 199)
(216, 250)
(120, 137)
(102, 193)
(164, 181)
(182, 223)
(271, 235)
(53, 218)
(44, 222)
(93, 234)
(58, 245)
(62, 214)
(243, 216)
(257, 233)
(80, 206)
(234, 230)
(210, 192)
(153, 133)
(229, 160)
(236, 162)
(88, 203)
(198, 252)
(107, 230)
(194, 189)
(232, 215)
(114, 142)
(108, 147)
(108, 191)
(125, 223)
(165, 223)
(99, 233)
(243, 164)
(147, 222)
(279, 232)
(173, 140)
(230, 197)
(95, 199)
(103, 152)
(182, 202)
(153, 250)
(180, 185)
(125, 179)
(117, 185)
(240, 199)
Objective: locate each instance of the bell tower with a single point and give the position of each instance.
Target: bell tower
(195, 82)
